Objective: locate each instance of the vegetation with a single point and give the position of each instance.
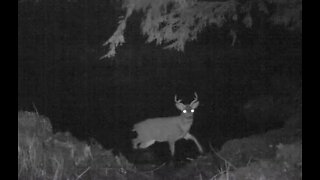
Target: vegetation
(172, 23)
(44, 155)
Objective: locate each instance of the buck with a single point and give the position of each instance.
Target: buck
(167, 129)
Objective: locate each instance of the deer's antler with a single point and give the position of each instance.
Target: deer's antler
(195, 98)
(176, 100)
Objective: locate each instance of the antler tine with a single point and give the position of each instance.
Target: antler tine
(176, 100)
(195, 98)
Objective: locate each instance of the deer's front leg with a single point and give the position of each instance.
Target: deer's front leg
(171, 145)
(190, 136)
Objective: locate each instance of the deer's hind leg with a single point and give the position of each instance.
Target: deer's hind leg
(135, 143)
(146, 144)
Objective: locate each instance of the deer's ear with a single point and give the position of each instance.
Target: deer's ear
(195, 105)
(180, 106)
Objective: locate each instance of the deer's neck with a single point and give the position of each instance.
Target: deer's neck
(186, 120)
(185, 123)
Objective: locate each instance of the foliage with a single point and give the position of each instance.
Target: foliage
(174, 22)
(44, 155)
(286, 164)
(241, 151)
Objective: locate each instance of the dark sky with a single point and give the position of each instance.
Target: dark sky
(59, 45)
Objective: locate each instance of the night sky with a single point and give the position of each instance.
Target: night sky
(59, 72)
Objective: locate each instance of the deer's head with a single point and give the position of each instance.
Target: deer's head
(187, 110)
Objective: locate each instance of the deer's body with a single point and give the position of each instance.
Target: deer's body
(162, 129)
(166, 129)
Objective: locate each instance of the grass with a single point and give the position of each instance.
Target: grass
(44, 155)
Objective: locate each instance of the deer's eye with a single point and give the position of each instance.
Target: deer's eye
(192, 110)
(184, 111)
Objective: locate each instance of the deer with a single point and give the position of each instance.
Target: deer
(167, 129)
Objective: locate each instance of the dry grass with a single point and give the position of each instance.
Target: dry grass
(44, 155)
